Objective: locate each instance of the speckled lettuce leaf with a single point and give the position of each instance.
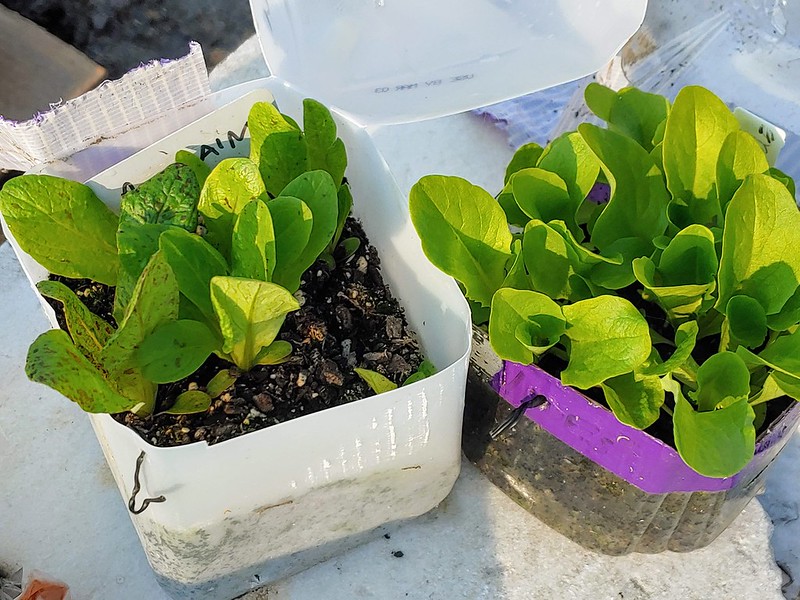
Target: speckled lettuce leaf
(136, 243)
(253, 243)
(168, 198)
(63, 225)
(740, 155)
(54, 361)
(722, 377)
(630, 112)
(89, 332)
(250, 315)
(155, 301)
(696, 129)
(221, 382)
(717, 443)
(464, 233)
(525, 157)
(524, 324)
(608, 337)
(194, 262)
(762, 226)
(277, 147)
(325, 150)
(175, 350)
(377, 382)
(637, 207)
(634, 399)
(292, 218)
(232, 184)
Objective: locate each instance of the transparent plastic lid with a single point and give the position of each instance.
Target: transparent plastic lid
(394, 61)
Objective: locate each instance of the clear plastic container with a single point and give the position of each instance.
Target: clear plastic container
(607, 486)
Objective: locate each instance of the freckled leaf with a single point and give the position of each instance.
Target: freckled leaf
(317, 190)
(54, 361)
(190, 402)
(63, 225)
(696, 129)
(524, 324)
(630, 111)
(325, 150)
(136, 243)
(175, 350)
(377, 382)
(232, 184)
(274, 354)
(608, 336)
(747, 322)
(573, 161)
(635, 400)
(277, 146)
(250, 314)
(253, 243)
(155, 301)
(762, 229)
(717, 443)
(637, 207)
(720, 377)
(195, 163)
(543, 195)
(525, 157)
(685, 339)
(89, 332)
(463, 231)
(740, 155)
(221, 382)
(168, 198)
(194, 262)
(293, 220)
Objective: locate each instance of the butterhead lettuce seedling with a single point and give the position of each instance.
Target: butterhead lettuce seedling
(203, 261)
(678, 293)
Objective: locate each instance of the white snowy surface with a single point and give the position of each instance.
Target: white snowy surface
(60, 511)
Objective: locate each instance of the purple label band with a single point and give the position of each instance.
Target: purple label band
(631, 454)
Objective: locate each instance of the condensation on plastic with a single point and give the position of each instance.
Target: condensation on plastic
(263, 506)
(394, 61)
(606, 486)
(745, 51)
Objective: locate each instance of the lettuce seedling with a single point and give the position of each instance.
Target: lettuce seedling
(679, 284)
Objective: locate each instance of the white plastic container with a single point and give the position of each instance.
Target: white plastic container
(262, 506)
(395, 61)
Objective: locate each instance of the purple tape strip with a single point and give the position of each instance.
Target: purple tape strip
(629, 453)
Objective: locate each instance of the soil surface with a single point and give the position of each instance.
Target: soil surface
(348, 319)
(121, 34)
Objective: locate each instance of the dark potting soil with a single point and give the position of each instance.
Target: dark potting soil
(348, 319)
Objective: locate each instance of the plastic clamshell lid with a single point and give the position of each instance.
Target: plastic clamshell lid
(395, 61)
